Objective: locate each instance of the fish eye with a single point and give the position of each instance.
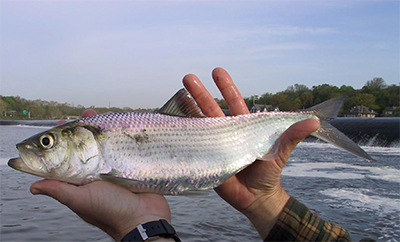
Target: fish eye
(46, 141)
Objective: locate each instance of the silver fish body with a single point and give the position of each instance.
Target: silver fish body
(174, 154)
(155, 152)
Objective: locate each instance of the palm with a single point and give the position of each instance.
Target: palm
(244, 188)
(110, 207)
(109, 200)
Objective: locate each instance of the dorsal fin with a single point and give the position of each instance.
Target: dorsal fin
(183, 105)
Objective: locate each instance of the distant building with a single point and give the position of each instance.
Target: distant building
(360, 112)
(391, 111)
(256, 108)
(11, 113)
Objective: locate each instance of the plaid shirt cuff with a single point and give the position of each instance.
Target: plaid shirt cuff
(297, 223)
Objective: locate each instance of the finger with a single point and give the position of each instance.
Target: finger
(291, 137)
(58, 190)
(230, 92)
(202, 97)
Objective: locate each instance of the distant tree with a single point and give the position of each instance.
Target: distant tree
(37, 111)
(265, 98)
(290, 105)
(381, 99)
(376, 83)
(393, 95)
(364, 99)
(324, 92)
(128, 109)
(281, 99)
(52, 112)
(3, 107)
(12, 103)
(396, 113)
(248, 101)
(222, 103)
(298, 88)
(67, 110)
(306, 99)
(347, 91)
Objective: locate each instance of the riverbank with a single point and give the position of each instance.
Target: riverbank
(49, 123)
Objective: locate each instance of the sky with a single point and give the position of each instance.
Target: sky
(135, 53)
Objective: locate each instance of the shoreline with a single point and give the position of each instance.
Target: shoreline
(29, 122)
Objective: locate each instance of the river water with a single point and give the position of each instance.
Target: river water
(362, 197)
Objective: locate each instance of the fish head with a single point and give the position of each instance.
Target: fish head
(68, 153)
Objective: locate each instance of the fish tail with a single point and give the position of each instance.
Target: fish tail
(327, 111)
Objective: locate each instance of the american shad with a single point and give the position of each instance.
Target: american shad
(174, 151)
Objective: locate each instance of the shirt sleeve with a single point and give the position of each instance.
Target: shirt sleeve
(297, 223)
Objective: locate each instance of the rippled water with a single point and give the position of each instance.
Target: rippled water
(362, 197)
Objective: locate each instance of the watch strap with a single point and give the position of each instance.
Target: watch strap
(144, 231)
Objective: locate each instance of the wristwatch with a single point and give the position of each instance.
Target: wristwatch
(142, 232)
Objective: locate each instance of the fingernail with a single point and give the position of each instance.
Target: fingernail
(36, 191)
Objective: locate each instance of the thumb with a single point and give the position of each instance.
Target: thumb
(58, 190)
(292, 136)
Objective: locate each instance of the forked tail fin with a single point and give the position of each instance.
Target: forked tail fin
(327, 111)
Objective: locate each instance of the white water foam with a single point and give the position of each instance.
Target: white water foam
(319, 169)
(360, 201)
(321, 144)
(385, 209)
(336, 170)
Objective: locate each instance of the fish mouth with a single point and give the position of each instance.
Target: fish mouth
(31, 159)
(19, 164)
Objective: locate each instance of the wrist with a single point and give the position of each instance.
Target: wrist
(265, 211)
(127, 226)
(159, 230)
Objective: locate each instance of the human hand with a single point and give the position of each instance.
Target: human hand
(112, 208)
(255, 191)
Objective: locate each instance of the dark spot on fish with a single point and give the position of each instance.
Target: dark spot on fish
(141, 138)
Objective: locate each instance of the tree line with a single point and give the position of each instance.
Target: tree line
(375, 94)
(12, 107)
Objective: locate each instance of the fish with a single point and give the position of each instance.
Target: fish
(175, 151)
